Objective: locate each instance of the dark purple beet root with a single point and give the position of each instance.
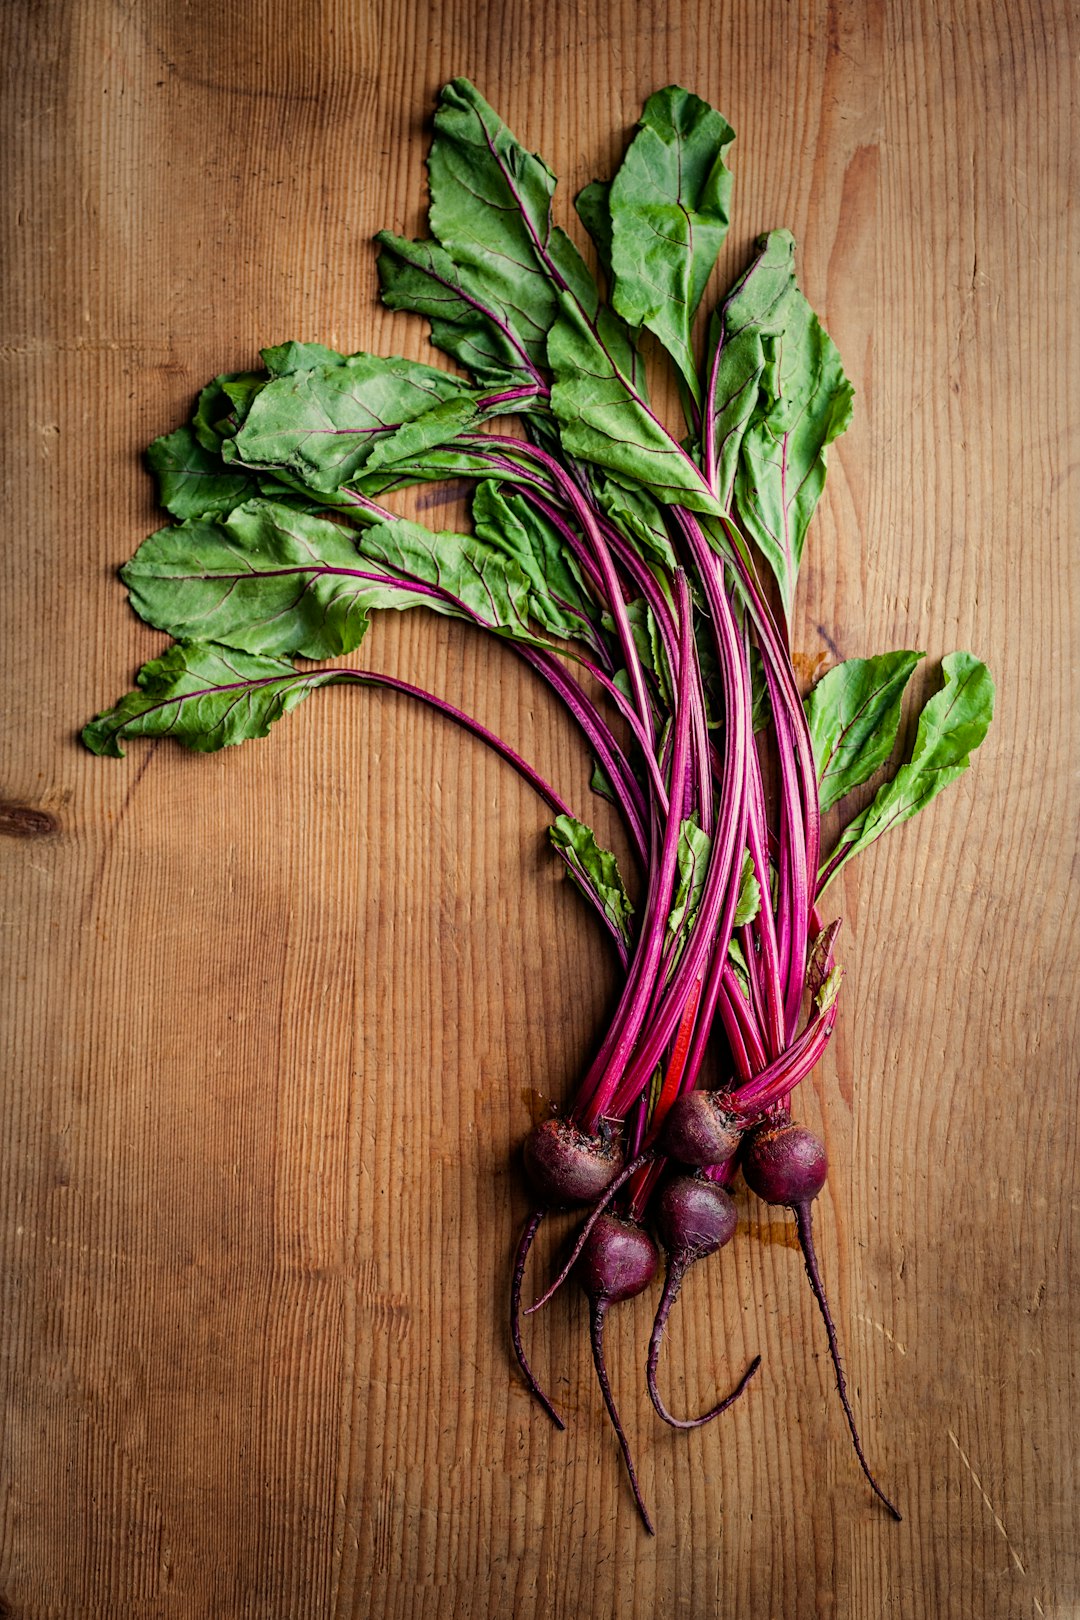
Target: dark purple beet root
(785, 1164)
(624, 1175)
(618, 1261)
(694, 1218)
(699, 1131)
(568, 1167)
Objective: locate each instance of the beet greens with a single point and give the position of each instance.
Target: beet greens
(647, 575)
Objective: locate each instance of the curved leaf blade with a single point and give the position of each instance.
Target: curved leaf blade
(951, 726)
(595, 872)
(805, 405)
(854, 715)
(265, 579)
(206, 697)
(193, 481)
(332, 423)
(669, 207)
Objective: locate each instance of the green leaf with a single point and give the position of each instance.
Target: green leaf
(830, 989)
(951, 726)
(669, 206)
(192, 480)
(595, 871)
(265, 579)
(206, 697)
(468, 320)
(594, 211)
(603, 419)
(692, 863)
(637, 515)
(467, 579)
(491, 204)
(742, 971)
(854, 715)
(557, 598)
(649, 645)
(334, 422)
(755, 310)
(805, 405)
(285, 358)
(223, 404)
(748, 904)
(600, 783)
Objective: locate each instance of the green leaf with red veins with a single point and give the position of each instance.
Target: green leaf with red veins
(470, 580)
(748, 904)
(755, 310)
(510, 525)
(692, 864)
(265, 579)
(332, 423)
(805, 404)
(594, 870)
(669, 208)
(205, 697)
(491, 209)
(854, 715)
(468, 319)
(194, 481)
(603, 419)
(951, 726)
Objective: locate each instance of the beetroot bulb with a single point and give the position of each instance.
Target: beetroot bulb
(786, 1164)
(566, 1166)
(694, 1218)
(618, 1260)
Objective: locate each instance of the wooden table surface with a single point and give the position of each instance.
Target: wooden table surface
(276, 1020)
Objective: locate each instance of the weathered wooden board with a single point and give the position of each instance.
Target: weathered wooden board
(275, 1020)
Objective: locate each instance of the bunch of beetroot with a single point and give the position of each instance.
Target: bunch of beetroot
(648, 578)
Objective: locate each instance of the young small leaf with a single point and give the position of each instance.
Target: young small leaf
(951, 726)
(222, 406)
(755, 310)
(636, 515)
(595, 871)
(760, 705)
(668, 206)
(593, 206)
(817, 962)
(830, 989)
(739, 967)
(206, 697)
(854, 715)
(748, 903)
(692, 862)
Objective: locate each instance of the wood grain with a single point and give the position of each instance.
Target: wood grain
(276, 1018)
